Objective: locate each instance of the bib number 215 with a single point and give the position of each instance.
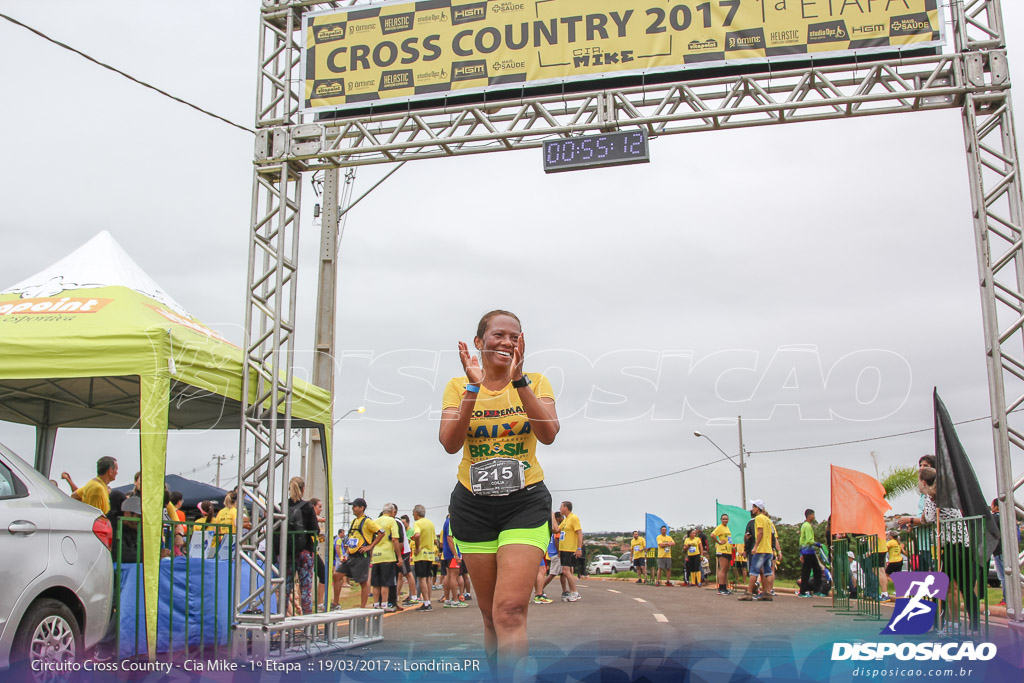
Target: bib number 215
(497, 476)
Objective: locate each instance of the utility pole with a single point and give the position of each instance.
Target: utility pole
(743, 465)
(337, 192)
(219, 459)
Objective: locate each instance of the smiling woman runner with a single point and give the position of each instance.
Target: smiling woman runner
(500, 508)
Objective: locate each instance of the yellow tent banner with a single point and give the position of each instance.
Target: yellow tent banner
(403, 51)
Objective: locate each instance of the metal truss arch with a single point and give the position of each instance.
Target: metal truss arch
(974, 78)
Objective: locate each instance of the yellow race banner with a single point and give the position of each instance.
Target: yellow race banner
(402, 51)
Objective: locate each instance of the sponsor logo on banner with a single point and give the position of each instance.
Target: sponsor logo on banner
(871, 29)
(367, 27)
(751, 39)
(784, 37)
(697, 45)
(331, 87)
(392, 80)
(327, 33)
(910, 24)
(500, 7)
(464, 14)
(468, 71)
(66, 304)
(353, 86)
(828, 32)
(430, 17)
(435, 75)
(508, 65)
(190, 324)
(396, 23)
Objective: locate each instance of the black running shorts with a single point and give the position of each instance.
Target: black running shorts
(479, 519)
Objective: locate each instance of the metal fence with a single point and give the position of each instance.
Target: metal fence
(841, 577)
(868, 575)
(196, 574)
(956, 548)
(963, 557)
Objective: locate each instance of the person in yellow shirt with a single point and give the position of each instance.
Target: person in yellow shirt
(385, 560)
(665, 543)
(570, 547)
(693, 551)
(895, 556)
(96, 492)
(722, 538)
(363, 536)
(638, 546)
(761, 557)
(740, 561)
(423, 553)
(229, 515)
(500, 510)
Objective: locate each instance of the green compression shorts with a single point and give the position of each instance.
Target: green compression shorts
(538, 537)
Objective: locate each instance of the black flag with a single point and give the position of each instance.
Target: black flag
(956, 485)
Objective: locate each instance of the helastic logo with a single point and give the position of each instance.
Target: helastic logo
(913, 614)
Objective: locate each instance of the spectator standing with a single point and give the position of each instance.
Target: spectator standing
(363, 537)
(693, 551)
(665, 543)
(638, 549)
(405, 565)
(301, 546)
(96, 491)
(761, 557)
(723, 553)
(424, 551)
(809, 584)
(386, 560)
(452, 562)
(570, 547)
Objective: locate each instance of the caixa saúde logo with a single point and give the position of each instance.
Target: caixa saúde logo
(914, 614)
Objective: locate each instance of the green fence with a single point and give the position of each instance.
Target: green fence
(963, 557)
(196, 578)
(841, 582)
(868, 576)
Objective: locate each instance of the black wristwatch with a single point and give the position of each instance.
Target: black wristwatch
(521, 382)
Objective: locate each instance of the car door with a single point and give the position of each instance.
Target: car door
(24, 534)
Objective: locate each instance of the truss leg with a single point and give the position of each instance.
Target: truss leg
(264, 451)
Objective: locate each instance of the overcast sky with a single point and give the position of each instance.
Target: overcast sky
(817, 279)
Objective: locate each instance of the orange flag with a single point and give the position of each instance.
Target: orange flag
(858, 503)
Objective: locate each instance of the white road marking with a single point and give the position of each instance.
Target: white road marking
(614, 591)
(639, 599)
(661, 617)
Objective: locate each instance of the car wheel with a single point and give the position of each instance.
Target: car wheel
(613, 570)
(48, 634)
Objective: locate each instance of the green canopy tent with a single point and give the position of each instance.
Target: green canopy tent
(93, 342)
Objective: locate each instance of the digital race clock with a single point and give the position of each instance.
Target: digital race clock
(596, 151)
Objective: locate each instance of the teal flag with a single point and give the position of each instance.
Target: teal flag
(738, 518)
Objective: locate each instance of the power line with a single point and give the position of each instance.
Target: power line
(122, 73)
(870, 438)
(622, 483)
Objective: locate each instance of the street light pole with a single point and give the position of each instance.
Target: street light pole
(741, 464)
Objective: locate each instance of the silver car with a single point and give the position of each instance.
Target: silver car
(55, 571)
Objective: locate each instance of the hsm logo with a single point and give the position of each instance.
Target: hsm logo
(912, 615)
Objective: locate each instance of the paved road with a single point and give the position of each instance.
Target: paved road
(641, 631)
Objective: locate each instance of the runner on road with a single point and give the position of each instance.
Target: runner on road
(500, 508)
